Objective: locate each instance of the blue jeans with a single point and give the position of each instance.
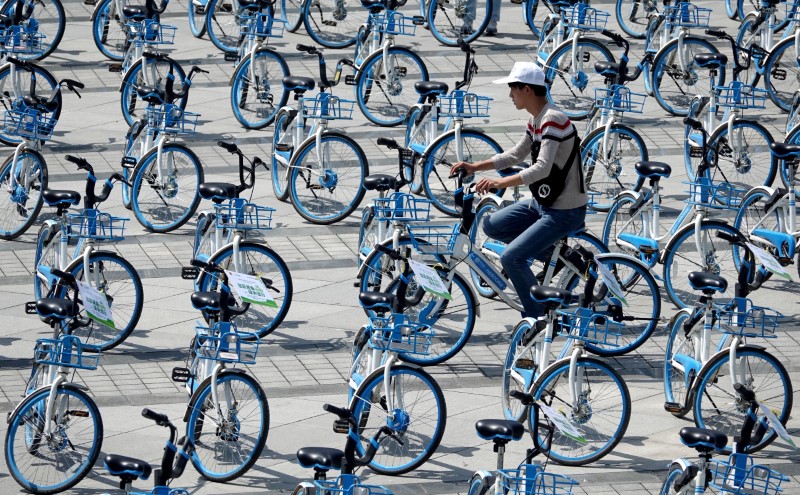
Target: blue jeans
(471, 6)
(530, 231)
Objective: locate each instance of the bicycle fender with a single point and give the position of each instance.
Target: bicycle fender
(243, 243)
(305, 488)
(79, 260)
(193, 399)
(446, 135)
(685, 228)
(704, 369)
(69, 386)
(385, 243)
(241, 62)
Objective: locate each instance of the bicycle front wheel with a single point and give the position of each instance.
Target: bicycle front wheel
(600, 411)
(197, 18)
(718, 407)
(634, 15)
(491, 248)
(45, 259)
(260, 261)
(782, 74)
(292, 14)
(697, 250)
(33, 81)
(442, 154)
(109, 31)
(326, 183)
(538, 12)
(58, 460)
(519, 369)
(223, 20)
(570, 76)
(624, 231)
(385, 85)
(744, 159)
(21, 186)
(674, 474)
(610, 171)
(119, 282)
(451, 20)
(164, 196)
(43, 18)
(753, 214)
(284, 127)
(257, 92)
(676, 76)
(680, 363)
(333, 23)
(230, 434)
(412, 404)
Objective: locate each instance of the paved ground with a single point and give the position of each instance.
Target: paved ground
(305, 362)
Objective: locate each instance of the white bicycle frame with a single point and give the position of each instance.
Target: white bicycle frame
(217, 240)
(786, 211)
(297, 138)
(376, 359)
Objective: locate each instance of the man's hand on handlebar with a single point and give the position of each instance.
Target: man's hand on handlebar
(488, 185)
(469, 168)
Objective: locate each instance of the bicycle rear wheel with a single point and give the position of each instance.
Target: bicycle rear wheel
(21, 186)
(633, 16)
(571, 78)
(679, 363)
(228, 436)
(258, 260)
(63, 457)
(165, 196)
(152, 73)
(109, 32)
(601, 411)
(223, 19)
(743, 157)
(45, 18)
(611, 171)
(326, 183)
(385, 85)
(284, 127)
(197, 17)
(451, 20)
(32, 81)
(519, 369)
(417, 419)
(333, 23)
(292, 13)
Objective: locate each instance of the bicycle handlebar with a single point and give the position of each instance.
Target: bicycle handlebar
(90, 199)
(68, 278)
(342, 412)
(159, 418)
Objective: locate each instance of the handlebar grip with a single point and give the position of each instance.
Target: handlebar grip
(198, 263)
(392, 253)
(716, 32)
(342, 412)
(388, 142)
(72, 83)
(306, 48)
(460, 173)
(66, 277)
(230, 147)
(725, 236)
(80, 162)
(159, 418)
(693, 123)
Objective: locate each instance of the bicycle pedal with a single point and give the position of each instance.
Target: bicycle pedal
(778, 74)
(330, 23)
(340, 426)
(128, 162)
(350, 80)
(419, 20)
(30, 308)
(189, 272)
(525, 364)
(89, 2)
(181, 375)
(672, 407)
(283, 148)
(231, 57)
(695, 152)
(517, 2)
(115, 68)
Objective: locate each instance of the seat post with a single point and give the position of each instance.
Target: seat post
(500, 448)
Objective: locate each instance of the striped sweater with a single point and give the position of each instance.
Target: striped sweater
(553, 132)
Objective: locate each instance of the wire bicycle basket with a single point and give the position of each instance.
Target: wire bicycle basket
(581, 16)
(337, 487)
(239, 214)
(620, 99)
(717, 195)
(96, 225)
(749, 479)
(747, 320)
(29, 123)
(21, 40)
(393, 23)
(531, 479)
(588, 326)
(392, 335)
(740, 95)
(434, 239)
(67, 351)
(230, 347)
(328, 107)
(462, 104)
(172, 119)
(402, 207)
(262, 25)
(151, 32)
(687, 15)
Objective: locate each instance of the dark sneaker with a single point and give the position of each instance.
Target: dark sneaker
(490, 31)
(467, 30)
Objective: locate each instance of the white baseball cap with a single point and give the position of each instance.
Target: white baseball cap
(524, 72)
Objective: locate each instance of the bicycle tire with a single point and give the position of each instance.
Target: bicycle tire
(676, 100)
(723, 414)
(567, 451)
(677, 385)
(746, 38)
(83, 411)
(223, 18)
(149, 202)
(519, 369)
(479, 239)
(609, 174)
(451, 20)
(253, 103)
(638, 318)
(442, 154)
(634, 15)
(109, 32)
(537, 12)
(47, 18)
(681, 250)
(197, 18)
(131, 105)
(317, 197)
(367, 233)
(752, 214)
(33, 76)
(480, 485)
(226, 434)
(417, 142)
(284, 123)
(16, 216)
(123, 289)
(732, 9)
(46, 253)
(202, 248)
(755, 165)
(427, 396)
(292, 14)
(675, 473)
(573, 93)
(332, 25)
(386, 102)
(619, 221)
(261, 261)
